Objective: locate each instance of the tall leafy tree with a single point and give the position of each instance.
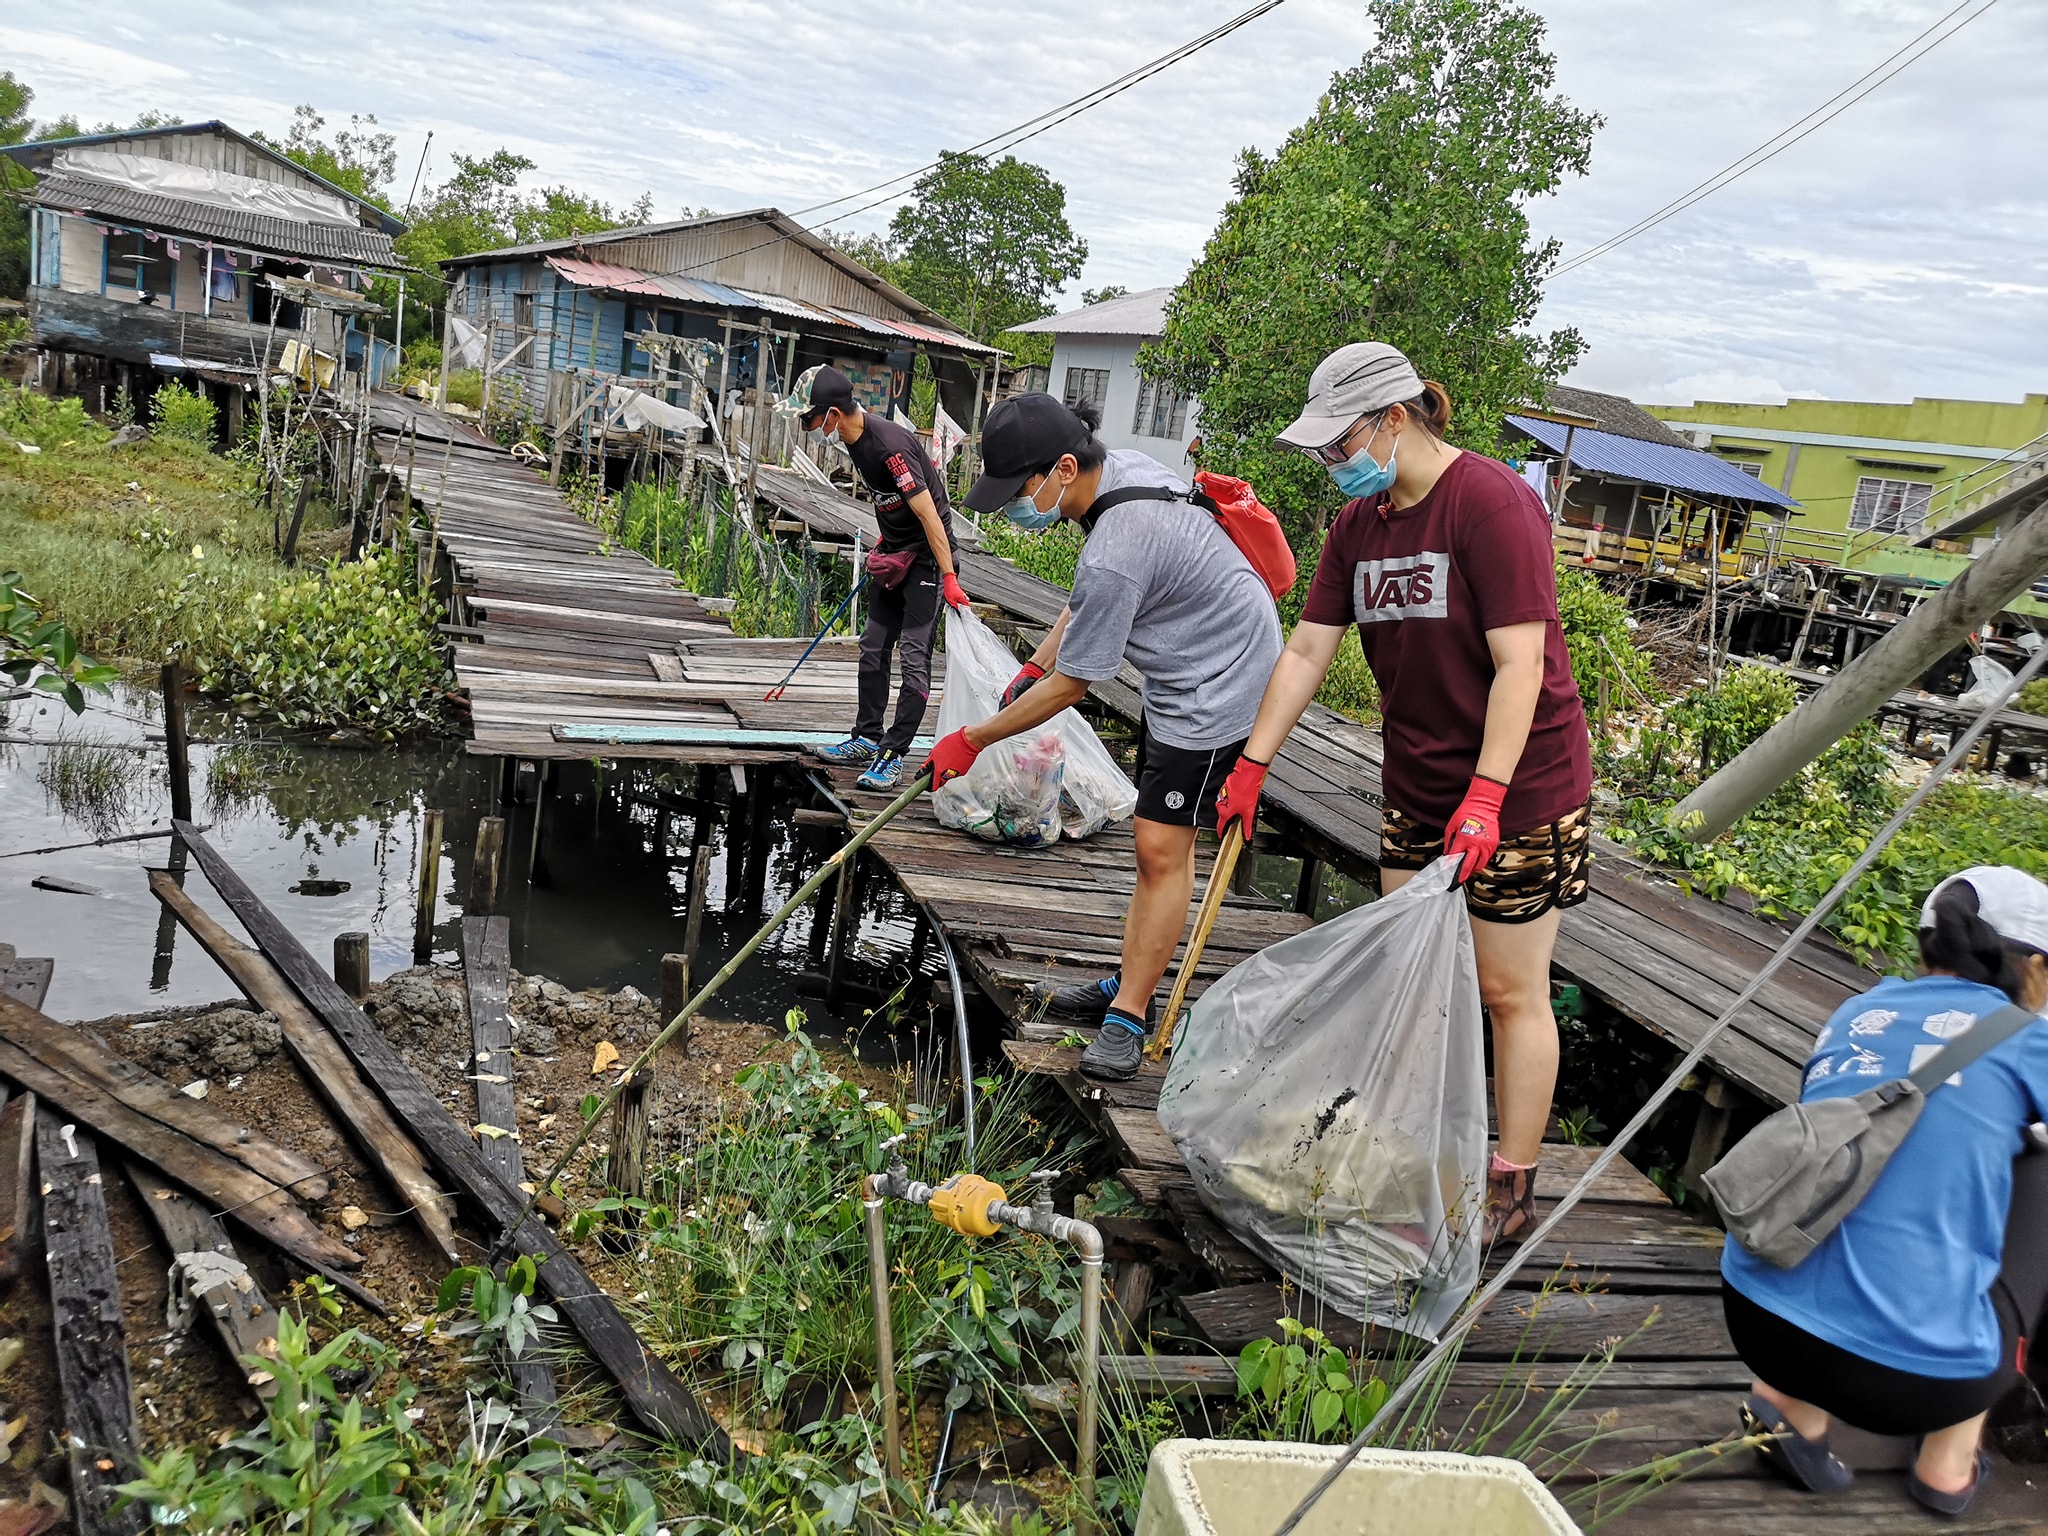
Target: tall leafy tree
(1396, 213)
(360, 158)
(986, 243)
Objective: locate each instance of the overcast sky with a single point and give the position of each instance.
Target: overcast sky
(1901, 250)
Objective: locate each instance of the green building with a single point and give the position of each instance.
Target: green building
(1865, 474)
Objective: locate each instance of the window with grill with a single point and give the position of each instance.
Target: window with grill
(1161, 412)
(1754, 469)
(1087, 385)
(128, 262)
(1890, 506)
(522, 316)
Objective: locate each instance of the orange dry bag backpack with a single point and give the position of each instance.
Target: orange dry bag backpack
(1250, 524)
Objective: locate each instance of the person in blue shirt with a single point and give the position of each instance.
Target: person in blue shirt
(1912, 1317)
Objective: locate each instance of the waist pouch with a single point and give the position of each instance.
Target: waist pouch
(1788, 1183)
(889, 570)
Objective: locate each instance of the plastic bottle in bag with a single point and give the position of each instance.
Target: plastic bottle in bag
(1329, 1098)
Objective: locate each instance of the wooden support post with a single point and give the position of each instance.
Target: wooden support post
(821, 923)
(1241, 875)
(842, 916)
(675, 991)
(92, 1338)
(1308, 892)
(430, 888)
(760, 830)
(626, 1166)
(693, 923)
(1710, 1130)
(352, 963)
(175, 749)
(483, 869)
(920, 939)
(536, 859)
(291, 537)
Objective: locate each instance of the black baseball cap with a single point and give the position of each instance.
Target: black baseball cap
(1023, 436)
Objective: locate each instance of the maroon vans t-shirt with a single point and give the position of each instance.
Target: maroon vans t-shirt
(1424, 586)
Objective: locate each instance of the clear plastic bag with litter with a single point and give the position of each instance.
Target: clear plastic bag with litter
(1329, 1097)
(1058, 780)
(1989, 680)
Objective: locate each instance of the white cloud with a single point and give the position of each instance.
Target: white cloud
(1894, 252)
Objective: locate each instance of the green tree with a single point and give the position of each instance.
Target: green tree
(1092, 296)
(1395, 213)
(15, 127)
(872, 251)
(360, 158)
(986, 243)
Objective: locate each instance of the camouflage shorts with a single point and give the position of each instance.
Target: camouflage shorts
(1532, 872)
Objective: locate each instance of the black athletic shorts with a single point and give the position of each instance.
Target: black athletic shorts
(1177, 786)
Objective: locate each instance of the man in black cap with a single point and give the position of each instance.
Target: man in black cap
(1161, 585)
(910, 569)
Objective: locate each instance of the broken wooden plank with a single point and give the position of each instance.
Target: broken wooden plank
(226, 1292)
(78, 1055)
(92, 1340)
(27, 980)
(487, 978)
(253, 1200)
(1143, 1138)
(1223, 1255)
(325, 1065)
(17, 1166)
(655, 1394)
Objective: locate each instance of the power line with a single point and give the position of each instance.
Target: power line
(1054, 116)
(1785, 138)
(1009, 138)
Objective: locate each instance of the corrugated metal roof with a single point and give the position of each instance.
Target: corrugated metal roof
(611, 276)
(1134, 314)
(1629, 458)
(175, 216)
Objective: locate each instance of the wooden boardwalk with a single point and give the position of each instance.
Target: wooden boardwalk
(1624, 1265)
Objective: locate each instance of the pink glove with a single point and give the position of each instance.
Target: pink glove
(951, 756)
(956, 595)
(1474, 828)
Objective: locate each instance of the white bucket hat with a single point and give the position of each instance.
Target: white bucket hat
(2012, 901)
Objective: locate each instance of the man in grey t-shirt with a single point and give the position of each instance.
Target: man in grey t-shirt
(1160, 585)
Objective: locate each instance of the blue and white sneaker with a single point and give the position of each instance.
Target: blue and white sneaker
(854, 752)
(885, 772)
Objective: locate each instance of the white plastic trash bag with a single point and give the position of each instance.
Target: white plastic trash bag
(1329, 1096)
(1988, 685)
(1014, 791)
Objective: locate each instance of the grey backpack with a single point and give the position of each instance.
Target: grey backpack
(1788, 1183)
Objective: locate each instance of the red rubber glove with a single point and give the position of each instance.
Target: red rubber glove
(1021, 683)
(956, 595)
(1238, 800)
(951, 756)
(1474, 828)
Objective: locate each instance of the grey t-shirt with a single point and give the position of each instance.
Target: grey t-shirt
(1160, 584)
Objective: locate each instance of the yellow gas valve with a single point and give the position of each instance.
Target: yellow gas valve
(962, 1203)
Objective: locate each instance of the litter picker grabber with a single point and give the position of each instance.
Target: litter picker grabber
(1212, 904)
(837, 614)
(827, 871)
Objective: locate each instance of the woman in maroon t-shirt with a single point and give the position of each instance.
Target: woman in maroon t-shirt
(1443, 560)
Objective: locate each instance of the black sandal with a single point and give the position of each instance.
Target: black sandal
(1803, 1463)
(1510, 1205)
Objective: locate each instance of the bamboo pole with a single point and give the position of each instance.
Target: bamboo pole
(1212, 907)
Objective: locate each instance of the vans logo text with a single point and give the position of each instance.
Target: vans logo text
(1405, 587)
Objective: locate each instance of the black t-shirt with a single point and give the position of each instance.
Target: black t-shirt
(892, 461)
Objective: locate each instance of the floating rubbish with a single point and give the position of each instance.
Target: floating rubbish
(196, 1089)
(320, 888)
(65, 887)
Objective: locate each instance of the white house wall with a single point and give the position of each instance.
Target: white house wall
(1118, 354)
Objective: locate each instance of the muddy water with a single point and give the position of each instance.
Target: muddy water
(328, 835)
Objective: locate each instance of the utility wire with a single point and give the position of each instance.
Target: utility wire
(1054, 116)
(1776, 145)
(1009, 138)
(1449, 1339)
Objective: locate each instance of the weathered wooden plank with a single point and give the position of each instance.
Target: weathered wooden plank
(325, 1066)
(17, 1167)
(99, 1429)
(1143, 1138)
(234, 1304)
(656, 1396)
(27, 980)
(255, 1201)
(76, 1054)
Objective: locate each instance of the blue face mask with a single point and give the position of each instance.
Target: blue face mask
(1362, 474)
(1025, 513)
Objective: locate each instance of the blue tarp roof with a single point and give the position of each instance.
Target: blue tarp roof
(1629, 458)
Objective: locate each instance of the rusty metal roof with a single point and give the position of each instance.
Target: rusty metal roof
(175, 216)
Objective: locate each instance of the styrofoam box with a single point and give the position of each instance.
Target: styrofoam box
(1247, 1487)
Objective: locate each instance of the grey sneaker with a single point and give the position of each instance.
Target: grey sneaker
(1116, 1050)
(1084, 1000)
(885, 772)
(1801, 1462)
(854, 752)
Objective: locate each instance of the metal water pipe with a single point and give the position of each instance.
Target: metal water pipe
(974, 1207)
